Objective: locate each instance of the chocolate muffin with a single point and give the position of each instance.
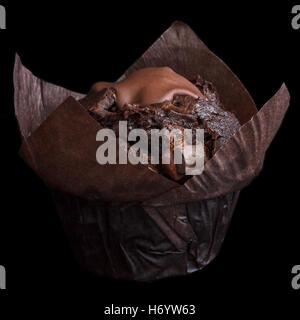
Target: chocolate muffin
(124, 221)
(182, 111)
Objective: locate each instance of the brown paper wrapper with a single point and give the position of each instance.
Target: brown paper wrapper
(126, 221)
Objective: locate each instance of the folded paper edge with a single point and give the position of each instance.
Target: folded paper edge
(31, 94)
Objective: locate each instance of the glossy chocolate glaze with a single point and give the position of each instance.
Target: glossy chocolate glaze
(150, 85)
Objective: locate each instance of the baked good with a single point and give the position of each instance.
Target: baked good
(181, 104)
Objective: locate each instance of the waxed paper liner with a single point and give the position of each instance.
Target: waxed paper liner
(123, 242)
(191, 219)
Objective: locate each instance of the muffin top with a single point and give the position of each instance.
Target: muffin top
(169, 102)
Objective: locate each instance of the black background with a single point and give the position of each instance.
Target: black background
(61, 44)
